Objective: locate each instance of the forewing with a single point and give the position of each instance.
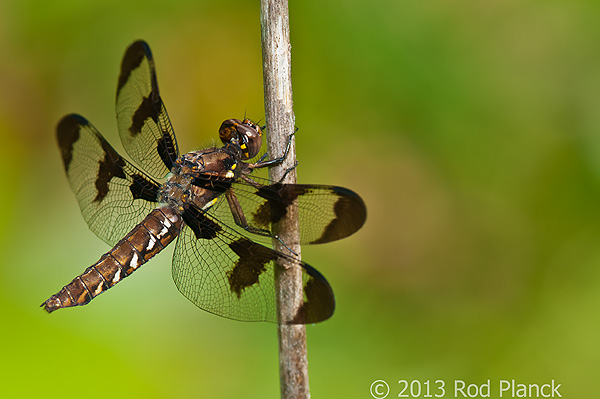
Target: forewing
(326, 213)
(144, 125)
(225, 273)
(113, 194)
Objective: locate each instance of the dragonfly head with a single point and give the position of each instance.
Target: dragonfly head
(245, 134)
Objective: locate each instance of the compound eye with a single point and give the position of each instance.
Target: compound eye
(250, 140)
(228, 130)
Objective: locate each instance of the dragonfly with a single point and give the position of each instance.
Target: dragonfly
(210, 202)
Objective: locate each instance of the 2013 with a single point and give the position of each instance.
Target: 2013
(416, 388)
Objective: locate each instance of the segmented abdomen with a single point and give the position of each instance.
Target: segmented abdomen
(148, 238)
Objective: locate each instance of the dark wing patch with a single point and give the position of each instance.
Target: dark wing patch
(69, 134)
(350, 215)
(167, 148)
(110, 167)
(252, 261)
(279, 197)
(113, 195)
(234, 277)
(144, 188)
(144, 125)
(202, 226)
(314, 296)
(326, 213)
(144, 111)
(132, 59)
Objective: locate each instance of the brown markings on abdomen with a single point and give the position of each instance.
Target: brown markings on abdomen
(148, 238)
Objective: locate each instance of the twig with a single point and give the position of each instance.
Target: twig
(276, 52)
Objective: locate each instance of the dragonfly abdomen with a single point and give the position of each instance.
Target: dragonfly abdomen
(148, 238)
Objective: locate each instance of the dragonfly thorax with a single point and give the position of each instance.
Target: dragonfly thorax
(199, 177)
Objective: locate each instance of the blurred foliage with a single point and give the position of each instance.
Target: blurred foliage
(470, 128)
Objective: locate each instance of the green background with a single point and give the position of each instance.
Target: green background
(470, 128)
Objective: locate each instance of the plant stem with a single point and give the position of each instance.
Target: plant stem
(276, 53)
